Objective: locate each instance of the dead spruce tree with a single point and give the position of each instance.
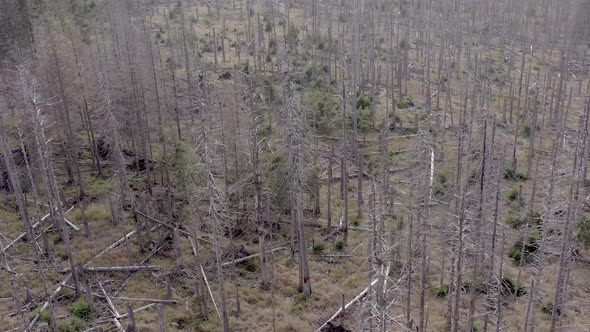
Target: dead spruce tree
(111, 137)
(205, 145)
(256, 146)
(43, 144)
(294, 126)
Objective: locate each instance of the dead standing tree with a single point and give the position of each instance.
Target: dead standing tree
(205, 145)
(256, 145)
(38, 119)
(294, 128)
(111, 137)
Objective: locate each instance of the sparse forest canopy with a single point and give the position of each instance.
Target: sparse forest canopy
(294, 165)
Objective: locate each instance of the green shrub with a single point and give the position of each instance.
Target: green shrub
(72, 324)
(527, 129)
(466, 286)
(441, 184)
(517, 219)
(511, 174)
(530, 246)
(81, 309)
(515, 253)
(251, 265)
(364, 101)
(514, 195)
(548, 308)
(405, 102)
(339, 245)
(584, 232)
(509, 287)
(318, 247)
(55, 239)
(355, 222)
(442, 291)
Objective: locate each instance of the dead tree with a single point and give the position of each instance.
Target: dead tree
(207, 152)
(38, 119)
(294, 128)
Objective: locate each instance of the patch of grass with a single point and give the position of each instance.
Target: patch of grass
(292, 325)
(72, 324)
(93, 212)
(81, 309)
(45, 316)
(99, 187)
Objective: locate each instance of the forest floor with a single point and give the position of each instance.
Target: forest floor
(338, 273)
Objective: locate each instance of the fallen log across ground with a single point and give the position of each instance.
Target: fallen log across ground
(243, 259)
(137, 268)
(113, 309)
(210, 292)
(180, 230)
(22, 235)
(122, 316)
(46, 304)
(353, 301)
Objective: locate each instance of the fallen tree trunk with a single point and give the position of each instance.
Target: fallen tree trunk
(22, 235)
(243, 259)
(114, 245)
(144, 300)
(46, 304)
(210, 292)
(106, 269)
(180, 230)
(112, 308)
(353, 301)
